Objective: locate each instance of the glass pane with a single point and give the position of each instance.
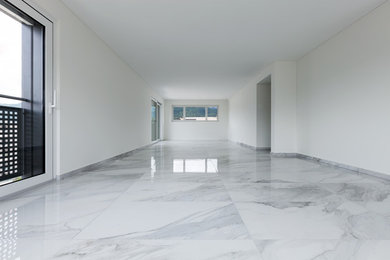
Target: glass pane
(10, 58)
(212, 113)
(154, 113)
(154, 121)
(158, 122)
(178, 113)
(22, 122)
(10, 102)
(196, 113)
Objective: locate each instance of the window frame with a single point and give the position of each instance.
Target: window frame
(41, 16)
(184, 113)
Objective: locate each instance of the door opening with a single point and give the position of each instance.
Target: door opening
(264, 114)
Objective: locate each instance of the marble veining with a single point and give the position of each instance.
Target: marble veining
(176, 220)
(201, 200)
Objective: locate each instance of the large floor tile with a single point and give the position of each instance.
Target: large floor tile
(333, 219)
(32, 249)
(278, 192)
(121, 248)
(323, 249)
(52, 217)
(175, 191)
(290, 220)
(168, 220)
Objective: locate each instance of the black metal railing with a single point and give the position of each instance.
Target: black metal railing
(11, 142)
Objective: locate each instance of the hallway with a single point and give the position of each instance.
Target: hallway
(201, 200)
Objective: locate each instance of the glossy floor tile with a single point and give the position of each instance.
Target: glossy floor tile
(201, 200)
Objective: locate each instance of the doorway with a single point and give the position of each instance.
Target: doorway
(264, 114)
(156, 109)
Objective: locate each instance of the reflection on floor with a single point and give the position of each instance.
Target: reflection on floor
(198, 200)
(195, 165)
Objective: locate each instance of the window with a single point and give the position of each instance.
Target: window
(212, 113)
(178, 113)
(22, 95)
(195, 113)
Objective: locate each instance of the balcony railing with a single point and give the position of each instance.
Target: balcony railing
(11, 143)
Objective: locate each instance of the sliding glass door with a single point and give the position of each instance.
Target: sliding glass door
(25, 86)
(155, 120)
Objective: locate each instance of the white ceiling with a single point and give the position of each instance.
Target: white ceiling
(189, 49)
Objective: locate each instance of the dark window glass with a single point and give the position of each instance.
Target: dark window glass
(196, 113)
(212, 113)
(22, 125)
(178, 113)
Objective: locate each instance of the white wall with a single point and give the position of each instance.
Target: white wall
(264, 115)
(243, 127)
(343, 96)
(283, 114)
(187, 130)
(104, 106)
(243, 111)
(242, 114)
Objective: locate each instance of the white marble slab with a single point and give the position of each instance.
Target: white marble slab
(290, 220)
(120, 248)
(175, 191)
(278, 192)
(53, 217)
(168, 220)
(323, 249)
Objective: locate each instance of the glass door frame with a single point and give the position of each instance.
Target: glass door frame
(35, 13)
(157, 126)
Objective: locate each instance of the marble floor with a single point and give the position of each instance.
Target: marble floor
(201, 200)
